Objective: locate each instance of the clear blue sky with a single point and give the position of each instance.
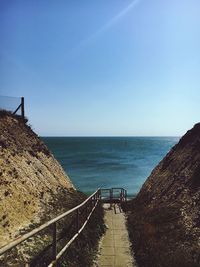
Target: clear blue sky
(103, 67)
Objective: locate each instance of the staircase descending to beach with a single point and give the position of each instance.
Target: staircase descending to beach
(114, 250)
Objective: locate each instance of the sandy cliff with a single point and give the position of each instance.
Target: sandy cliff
(164, 221)
(32, 183)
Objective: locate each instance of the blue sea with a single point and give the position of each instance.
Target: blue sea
(93, 162)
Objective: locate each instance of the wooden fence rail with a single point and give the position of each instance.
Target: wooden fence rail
(88, 206)
(113, 195)
(21, 106)
(90, 202)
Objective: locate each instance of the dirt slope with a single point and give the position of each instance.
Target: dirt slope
(164, 221)
(33, 186)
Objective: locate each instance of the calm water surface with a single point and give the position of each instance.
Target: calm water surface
(93, 162)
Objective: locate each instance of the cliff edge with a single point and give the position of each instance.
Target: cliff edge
(33, 186)
(164, 218)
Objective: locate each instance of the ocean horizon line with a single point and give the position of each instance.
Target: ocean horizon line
(108, 136)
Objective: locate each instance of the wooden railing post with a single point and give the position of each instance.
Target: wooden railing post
(86, 210)
(110, 198)
(93, 201)
(22, 108)
(54, 244)
(77, 220)
(91, 204)
(99, 194)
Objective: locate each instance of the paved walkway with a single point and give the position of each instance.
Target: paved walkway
(115, 246)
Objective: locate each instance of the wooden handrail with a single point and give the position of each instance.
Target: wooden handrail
(93, 200)
(45, 225)
(122, 196)
(58, 256)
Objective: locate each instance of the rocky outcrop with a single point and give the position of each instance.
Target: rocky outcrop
(164, 218)
(33, 186)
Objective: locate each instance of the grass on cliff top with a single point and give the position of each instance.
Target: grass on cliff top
(4, 113)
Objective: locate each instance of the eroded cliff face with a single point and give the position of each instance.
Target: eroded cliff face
(164, 220)
(33, 186)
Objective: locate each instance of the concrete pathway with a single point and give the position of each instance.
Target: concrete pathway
(115, 246)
